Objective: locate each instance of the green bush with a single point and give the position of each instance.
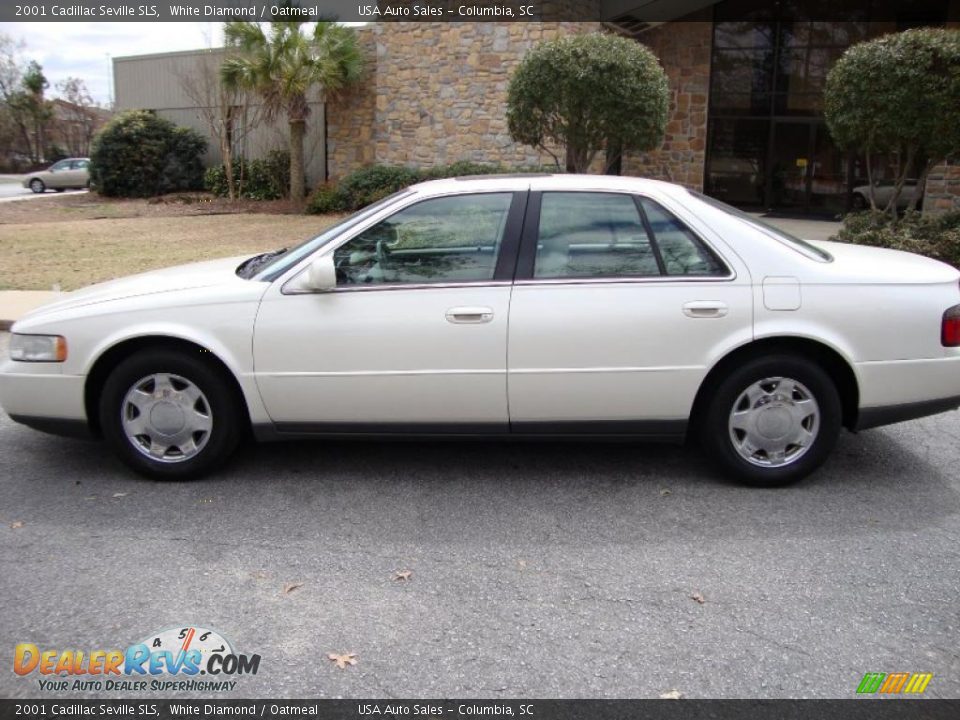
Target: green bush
(937, 236)
(327, 199)
(261, 179)
(138, 154)
(374, 182)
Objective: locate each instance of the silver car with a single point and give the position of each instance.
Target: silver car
(67, 173)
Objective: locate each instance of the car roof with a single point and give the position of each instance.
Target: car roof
(544, 182)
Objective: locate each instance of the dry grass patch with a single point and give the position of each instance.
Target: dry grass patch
(73, 253)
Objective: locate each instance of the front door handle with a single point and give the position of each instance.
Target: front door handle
(474, 315)
(705, 309)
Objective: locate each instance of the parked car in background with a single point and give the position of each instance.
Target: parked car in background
(882, 192)
(62, 175)
(514, 306)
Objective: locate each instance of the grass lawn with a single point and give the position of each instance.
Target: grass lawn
(72, 243)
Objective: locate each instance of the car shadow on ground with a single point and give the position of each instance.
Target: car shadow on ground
(624, 491)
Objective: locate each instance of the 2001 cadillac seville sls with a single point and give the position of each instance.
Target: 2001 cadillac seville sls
(504, 306)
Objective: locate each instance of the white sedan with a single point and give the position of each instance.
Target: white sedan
(523, 306)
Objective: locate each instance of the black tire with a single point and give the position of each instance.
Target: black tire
(859, 202)
(59, 189)
(225, 410)
(716, 434)
(37, 185)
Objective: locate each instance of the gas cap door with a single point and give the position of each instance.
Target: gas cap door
(781, 293)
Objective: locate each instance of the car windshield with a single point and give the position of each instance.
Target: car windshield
(798, 244)
(283, 260)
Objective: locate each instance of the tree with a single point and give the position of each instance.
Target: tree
(138, 154)
(22, 87)
(225, 110)
(78, 116)
(898, 93)
(588, 93)
(285, 66)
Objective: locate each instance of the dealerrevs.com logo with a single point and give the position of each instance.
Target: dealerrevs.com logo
(174, 660)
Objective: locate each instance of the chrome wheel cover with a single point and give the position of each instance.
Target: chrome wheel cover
(774, 422)
(166, 418)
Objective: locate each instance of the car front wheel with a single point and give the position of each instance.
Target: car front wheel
(772, 421)
(170, 416)
(37, 185)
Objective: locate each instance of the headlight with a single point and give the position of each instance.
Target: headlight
(38, 348)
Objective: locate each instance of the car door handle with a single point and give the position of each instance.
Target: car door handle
(705, 309)
(473, 315)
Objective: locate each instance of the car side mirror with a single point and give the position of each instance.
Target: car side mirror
(321, 275)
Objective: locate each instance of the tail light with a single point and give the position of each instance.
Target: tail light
(950, 328)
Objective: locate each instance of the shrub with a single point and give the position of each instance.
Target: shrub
(937, 236)
(589, 93)
(374, 182)
(327, 199)
(138, 154)
(260, 179)
(898, 93)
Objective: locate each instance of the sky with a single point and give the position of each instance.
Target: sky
(84, 49)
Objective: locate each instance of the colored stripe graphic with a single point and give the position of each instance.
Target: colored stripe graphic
(918, 683)
(894, 682)
(871, 682)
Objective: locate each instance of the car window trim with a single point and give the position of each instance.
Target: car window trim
(531, 228)
(503, 271)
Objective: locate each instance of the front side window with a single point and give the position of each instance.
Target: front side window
(592, 235)
(448, 239)
(80, 164)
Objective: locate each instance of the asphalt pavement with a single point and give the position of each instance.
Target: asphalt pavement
(11, 189)
(538, 570)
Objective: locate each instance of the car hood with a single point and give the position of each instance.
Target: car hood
(863, 263)
(180, 277)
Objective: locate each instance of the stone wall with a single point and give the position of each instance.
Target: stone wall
(436, 94)
(351, 118)
(684, 50)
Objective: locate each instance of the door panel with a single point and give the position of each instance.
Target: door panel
(384, 357)
(616, 351)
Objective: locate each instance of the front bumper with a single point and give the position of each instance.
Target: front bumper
(41, 396)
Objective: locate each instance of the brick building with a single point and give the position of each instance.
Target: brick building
(745, 123)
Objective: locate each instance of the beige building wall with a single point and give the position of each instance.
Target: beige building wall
(160, 83)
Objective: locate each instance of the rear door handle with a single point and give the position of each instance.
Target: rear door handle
(468, 315)
(705, 309)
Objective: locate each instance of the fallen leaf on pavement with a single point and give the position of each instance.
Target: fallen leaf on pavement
(258, 575)
(290, 587)
(119, 494)
(672, 695)
(698, 597)
(16, 524)
(343, 660)
(402, 574)
(664, 492)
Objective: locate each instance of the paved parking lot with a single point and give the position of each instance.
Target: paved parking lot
(538, 570)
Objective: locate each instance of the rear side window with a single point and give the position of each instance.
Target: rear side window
(591, 234)
(682, 251)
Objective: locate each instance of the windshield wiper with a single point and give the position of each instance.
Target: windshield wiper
(248, 268)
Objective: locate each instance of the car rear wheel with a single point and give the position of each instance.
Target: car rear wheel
(170, 416)
(772, 421)
(37, 185)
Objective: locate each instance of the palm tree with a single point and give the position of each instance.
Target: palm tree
(284, 65)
